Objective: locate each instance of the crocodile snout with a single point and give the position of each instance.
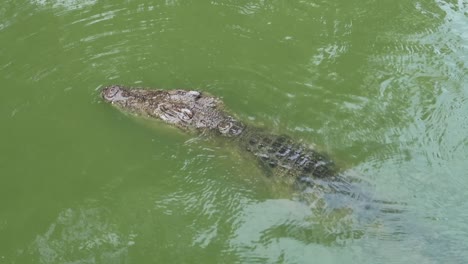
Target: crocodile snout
(113, 93)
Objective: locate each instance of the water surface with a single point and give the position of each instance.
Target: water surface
(381, 86)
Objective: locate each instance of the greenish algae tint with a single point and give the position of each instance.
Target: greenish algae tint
(381, 86)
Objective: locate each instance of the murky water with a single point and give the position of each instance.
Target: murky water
(381, 86)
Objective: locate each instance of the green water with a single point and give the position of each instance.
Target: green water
(381, 86)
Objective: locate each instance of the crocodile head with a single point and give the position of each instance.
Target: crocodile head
(182, 108)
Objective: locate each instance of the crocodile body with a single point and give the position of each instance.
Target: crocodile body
(280, 156)
(204, 113)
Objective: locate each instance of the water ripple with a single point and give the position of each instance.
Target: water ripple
(66, 4)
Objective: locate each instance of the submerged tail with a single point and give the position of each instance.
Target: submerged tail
(340, 193)
(332, 194)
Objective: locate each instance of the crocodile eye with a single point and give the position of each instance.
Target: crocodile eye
(194, 94)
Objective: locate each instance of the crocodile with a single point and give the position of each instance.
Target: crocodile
(320, 183)
(201, 112)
